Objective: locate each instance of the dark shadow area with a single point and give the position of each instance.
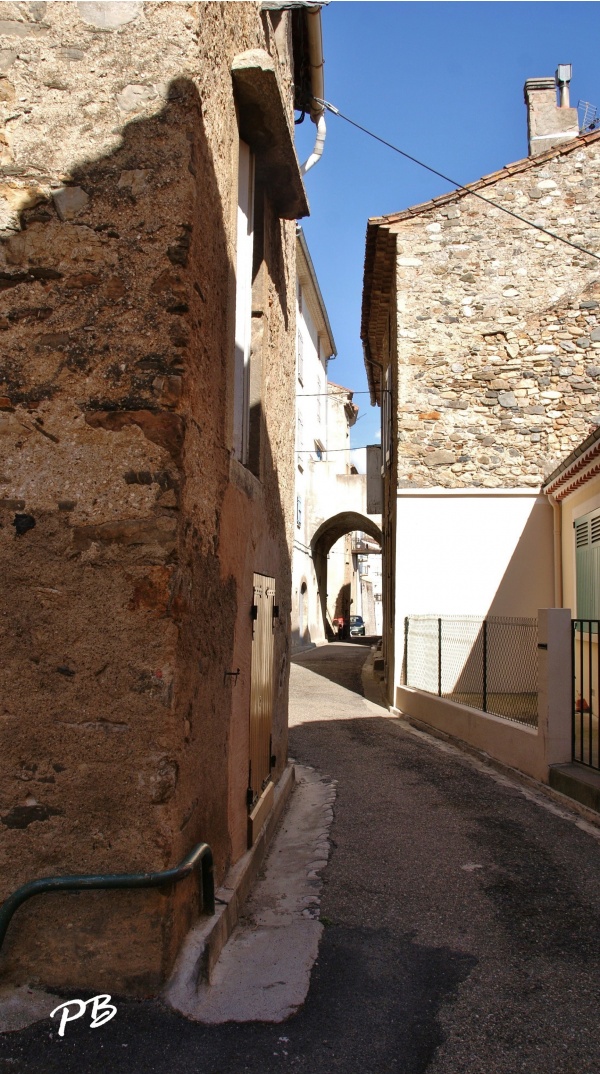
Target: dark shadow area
(461, 925)
(373, 1006)
(339, 662)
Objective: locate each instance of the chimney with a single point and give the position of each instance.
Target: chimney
(549, 124)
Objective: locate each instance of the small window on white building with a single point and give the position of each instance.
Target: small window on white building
(300, 440)
(300, 351)
(243, 303)
(298, 511)
(319, 450)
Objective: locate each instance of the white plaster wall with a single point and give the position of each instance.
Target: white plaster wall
(467, 552)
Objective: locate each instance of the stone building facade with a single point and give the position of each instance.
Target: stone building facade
(133, 526)
(482, 341)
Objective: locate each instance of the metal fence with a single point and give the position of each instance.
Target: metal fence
(488, 664)
(586, 677)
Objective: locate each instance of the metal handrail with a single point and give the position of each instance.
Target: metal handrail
(201, 856)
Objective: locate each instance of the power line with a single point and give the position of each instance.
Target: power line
(454, 183)
(329, 451)
(328, 395)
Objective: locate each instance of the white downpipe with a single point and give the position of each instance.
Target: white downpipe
(318, 147)
(317, 112)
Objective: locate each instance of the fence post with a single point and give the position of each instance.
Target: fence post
(405, 662)
(484, 706)
(555, 684)
(439, 657)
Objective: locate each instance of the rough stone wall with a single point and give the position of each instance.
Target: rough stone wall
(498, 332)
(127, 582)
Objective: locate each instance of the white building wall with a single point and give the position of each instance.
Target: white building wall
(472, 552)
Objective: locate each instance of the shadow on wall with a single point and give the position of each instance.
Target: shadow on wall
(527, 584)
(114, 308)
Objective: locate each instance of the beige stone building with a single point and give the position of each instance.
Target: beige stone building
(148, 200)
(482, 340)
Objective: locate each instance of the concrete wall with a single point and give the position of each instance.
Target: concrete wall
(128, 537)
(466, 552)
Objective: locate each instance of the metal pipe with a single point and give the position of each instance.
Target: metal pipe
(485, 668)
(373, 361)
(439, 657)
(558, 569)
(317, 85)
(317, 152)
(200, 857)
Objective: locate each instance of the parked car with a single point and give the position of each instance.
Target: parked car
(357, 626)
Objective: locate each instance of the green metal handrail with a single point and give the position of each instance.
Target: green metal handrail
(200, 857)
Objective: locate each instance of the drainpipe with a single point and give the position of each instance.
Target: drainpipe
(372, 362)
(317, 85)
(558, 571)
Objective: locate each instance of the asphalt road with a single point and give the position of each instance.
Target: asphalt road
(462, 916)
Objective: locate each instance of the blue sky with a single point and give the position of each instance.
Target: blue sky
(444, 82)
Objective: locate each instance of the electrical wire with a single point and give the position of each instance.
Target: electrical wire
(329, 451)
(331, 395)
(459, 186)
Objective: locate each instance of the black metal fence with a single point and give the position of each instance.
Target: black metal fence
(586, 677)
(488, 664)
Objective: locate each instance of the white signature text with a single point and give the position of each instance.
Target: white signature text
(102, 1010)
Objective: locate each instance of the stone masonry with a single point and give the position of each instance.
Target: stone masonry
(498, 325)
(128, 534)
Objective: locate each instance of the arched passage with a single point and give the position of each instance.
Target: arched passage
(323, 540)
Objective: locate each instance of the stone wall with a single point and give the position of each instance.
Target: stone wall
(128, 537)
(498, 331)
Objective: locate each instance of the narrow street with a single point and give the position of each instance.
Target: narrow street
(461, 913)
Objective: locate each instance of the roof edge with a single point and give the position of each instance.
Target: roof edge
(488, 180)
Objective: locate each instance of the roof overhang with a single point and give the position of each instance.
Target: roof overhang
(264, 125)
(378, 291)
(576, 470)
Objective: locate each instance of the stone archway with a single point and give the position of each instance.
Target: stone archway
(323, 540)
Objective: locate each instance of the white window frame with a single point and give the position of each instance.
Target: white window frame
(586, 530)
(300, 357)
(300, 439)
(243, 302)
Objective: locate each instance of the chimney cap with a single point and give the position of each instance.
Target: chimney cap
(564, 73)
(539, 84)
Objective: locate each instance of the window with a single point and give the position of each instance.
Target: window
(243, 303)
(300, 440)
(587, 565)
(300, 349)
(319, 450)
(386, 418)
(298, 511)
